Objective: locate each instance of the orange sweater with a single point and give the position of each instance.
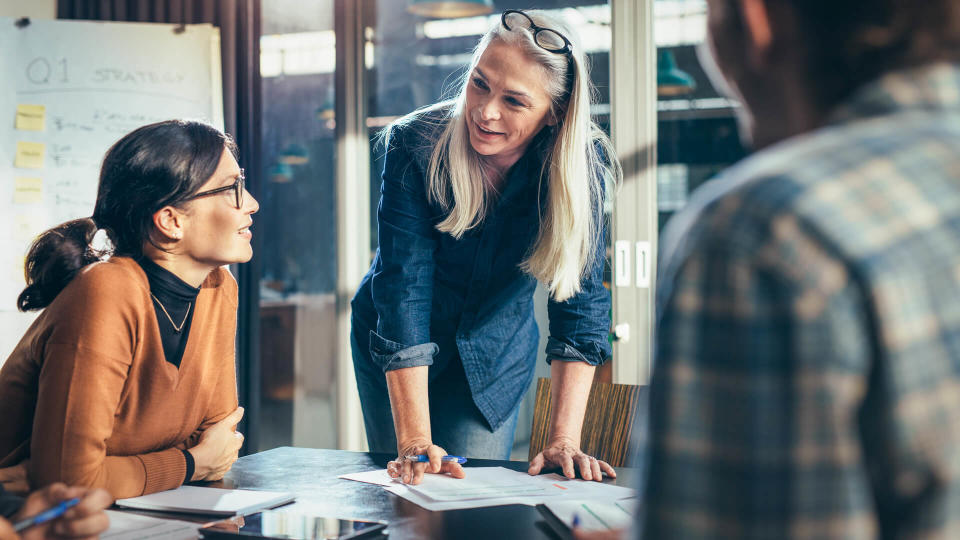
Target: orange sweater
(88, 397)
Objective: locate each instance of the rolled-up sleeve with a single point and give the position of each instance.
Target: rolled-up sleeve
(580, 325)
(402, 281)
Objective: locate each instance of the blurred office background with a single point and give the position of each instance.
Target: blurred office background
(325, 77)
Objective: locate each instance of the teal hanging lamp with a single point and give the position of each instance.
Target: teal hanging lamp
(671, 80)
(450, 9)
(281, 173)
(294, 154)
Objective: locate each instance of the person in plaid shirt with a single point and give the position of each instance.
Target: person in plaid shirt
(806, 380)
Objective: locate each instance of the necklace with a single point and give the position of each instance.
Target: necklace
(176, 328)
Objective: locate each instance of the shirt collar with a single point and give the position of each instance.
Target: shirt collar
(165, 283)
(529, 168)
(931, 87)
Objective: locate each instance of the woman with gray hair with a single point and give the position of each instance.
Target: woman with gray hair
(483, 196)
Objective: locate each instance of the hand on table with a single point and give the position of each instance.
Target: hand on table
(14, 479)
(85, 520)
(410, 472)
(218, 449)
(567, 456)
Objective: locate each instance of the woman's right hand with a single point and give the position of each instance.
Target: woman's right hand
(218, 448)
(410, 472)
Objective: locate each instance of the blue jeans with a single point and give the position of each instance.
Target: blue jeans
(456, 423)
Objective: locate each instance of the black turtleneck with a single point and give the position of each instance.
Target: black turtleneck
(179, 300)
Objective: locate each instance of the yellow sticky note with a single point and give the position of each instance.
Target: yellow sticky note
(31, 117)
(29, 155)
(28, 190)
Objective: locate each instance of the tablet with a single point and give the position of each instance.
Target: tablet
(271, 524)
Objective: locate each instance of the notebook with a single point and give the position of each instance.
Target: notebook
(209, 501)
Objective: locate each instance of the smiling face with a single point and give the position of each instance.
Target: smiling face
(506, 104)
(216, 232)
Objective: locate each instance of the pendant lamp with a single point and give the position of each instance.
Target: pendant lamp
(671, 80)
(450, 9)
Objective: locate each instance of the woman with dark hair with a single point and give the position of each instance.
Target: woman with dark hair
(126, 381)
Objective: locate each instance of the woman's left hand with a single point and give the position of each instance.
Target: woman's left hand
(14, 479)
(567, 455)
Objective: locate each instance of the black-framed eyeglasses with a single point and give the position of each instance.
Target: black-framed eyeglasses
(238, 187)
(548, 39)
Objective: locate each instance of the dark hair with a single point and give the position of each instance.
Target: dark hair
(851, 42)
(157, 165)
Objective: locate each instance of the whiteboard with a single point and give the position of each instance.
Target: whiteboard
(85, 84)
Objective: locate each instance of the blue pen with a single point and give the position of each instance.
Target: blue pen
(46, 515)
(423, 458)
(576, 521)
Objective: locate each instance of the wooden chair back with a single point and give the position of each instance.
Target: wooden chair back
(607, 424)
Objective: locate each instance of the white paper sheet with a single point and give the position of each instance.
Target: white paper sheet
(482, 483)
(204, 500)
(492, 486)
(125, 526)
(595, 515)
(380, 477)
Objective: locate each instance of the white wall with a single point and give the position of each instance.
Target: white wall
(12, 324)
(38, 9)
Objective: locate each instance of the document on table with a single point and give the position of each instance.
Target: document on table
(594, 515)
(204, 500)
(125, 526)
(492, 486)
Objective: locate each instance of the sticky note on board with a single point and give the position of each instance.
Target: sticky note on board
(27, 190)
(29, 155)
(31, 117)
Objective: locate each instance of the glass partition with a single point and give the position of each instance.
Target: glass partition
(696, 128)
(298, 222)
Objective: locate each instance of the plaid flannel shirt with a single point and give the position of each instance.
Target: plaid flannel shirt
(807, 370)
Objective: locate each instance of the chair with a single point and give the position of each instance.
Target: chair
(607, 424)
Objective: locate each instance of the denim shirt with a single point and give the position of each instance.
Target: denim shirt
(429, 298)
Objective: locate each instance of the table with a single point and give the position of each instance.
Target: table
(312, 475)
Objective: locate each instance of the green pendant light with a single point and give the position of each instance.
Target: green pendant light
(671, 80)
(280, 173)
(294, 154)
(450, 9)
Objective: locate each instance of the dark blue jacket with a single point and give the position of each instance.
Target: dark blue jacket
(429, 298)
